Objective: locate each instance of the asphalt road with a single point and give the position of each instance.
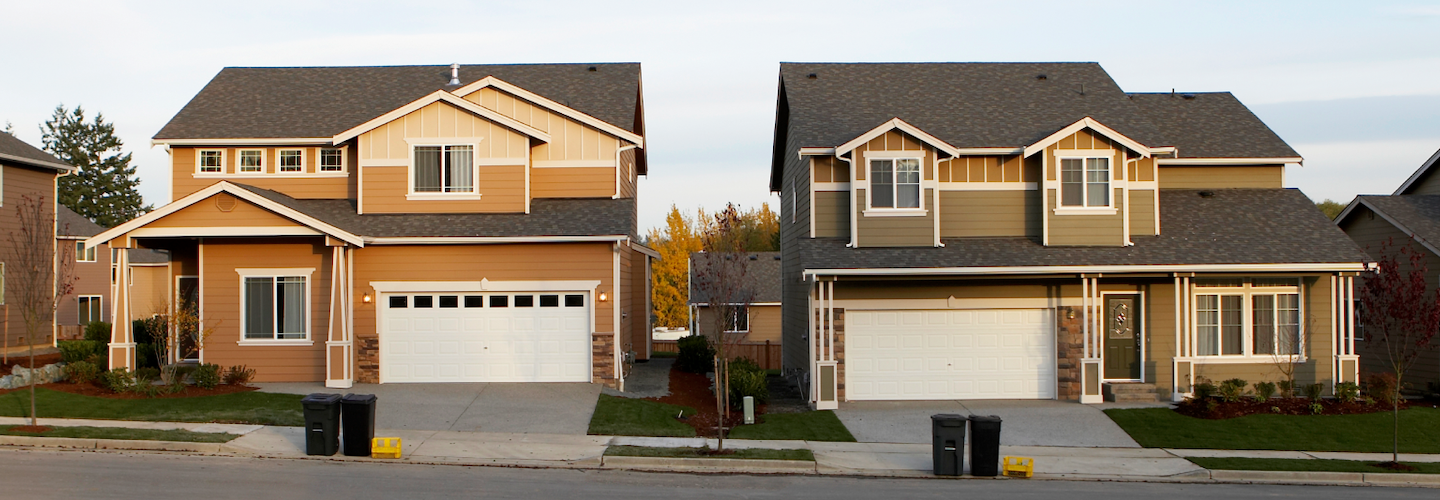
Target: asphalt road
(28, 474)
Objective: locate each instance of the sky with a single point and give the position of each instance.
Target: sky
(1353, 86)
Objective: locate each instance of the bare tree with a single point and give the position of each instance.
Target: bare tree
(1401, 316)
(1287, 355)
(39, 275)
(720, 280)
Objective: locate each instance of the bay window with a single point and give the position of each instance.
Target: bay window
(895, 183)
(1248, 317)
(444, 169)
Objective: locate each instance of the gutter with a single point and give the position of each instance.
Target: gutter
(1162, 268)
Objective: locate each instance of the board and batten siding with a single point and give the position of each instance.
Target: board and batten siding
(1009, 168)
(992, 214)
(569, 139)
(906, 231)
(310, 184)
(1260, 176)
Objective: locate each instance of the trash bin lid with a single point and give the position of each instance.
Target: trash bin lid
(358, 398)
(948, 419)
(321, 397)
(984, 418)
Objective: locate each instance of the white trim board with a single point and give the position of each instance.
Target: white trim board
(484, 240)
(561, 109)
(484, 285)
(1157, 268)
(232, 189)
(39, 163)
(1229, 161)
(165, 232)
(897, 124)
(283, 141)
(1092, 124)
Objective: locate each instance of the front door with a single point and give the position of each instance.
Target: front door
(1122, 337)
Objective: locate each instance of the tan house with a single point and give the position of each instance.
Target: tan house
(25, 172)
(1409, 216)
(399, 224)
(1032, 231)
(94, 276)
(756, 324)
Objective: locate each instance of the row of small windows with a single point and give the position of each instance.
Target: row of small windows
(252, 161)
(476, 301)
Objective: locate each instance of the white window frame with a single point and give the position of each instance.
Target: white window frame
(79, 309)
(83, 254)
(1247, 291)
(200, 164)
(320, 161)
(893, 156)
(737, 310)
(280, 166)
(240, 161)
(308, 274)
(1085, 208)
(473, 194)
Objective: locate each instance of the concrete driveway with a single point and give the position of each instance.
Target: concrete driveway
(522, 408)
(1024, 423)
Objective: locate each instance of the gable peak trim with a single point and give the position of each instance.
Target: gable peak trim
(567, 111)
(1092, 124)
(236, 191)
(448, 98)
(901, 125)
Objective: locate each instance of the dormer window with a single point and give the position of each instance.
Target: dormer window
(895, 183)
(291, 161)
(1085, 182)
(444, 169)
(252, 161)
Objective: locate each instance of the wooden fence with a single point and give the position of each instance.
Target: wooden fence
(766, 353)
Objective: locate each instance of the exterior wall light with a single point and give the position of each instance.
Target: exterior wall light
(366, 298)
(604, 297)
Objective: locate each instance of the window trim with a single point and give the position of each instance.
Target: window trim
(730, 323)
(305, 272)
(280, 166)
(895, 156)
(240, 163)
(344, 161)
(224, 161)
(79, 309)
(1085, 208)
(472, 195)
(86, 255)
(1247, 291)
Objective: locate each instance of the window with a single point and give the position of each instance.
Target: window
(275, 308)
(444, 169)
(252, 161)
(449, 301)
(739, 320)
(292, 160)
(574, 301)
(895, 183)
(89, 309)
(474, 301)
(399, 301)
(332, 160)
(1252, 317)
(424, 301)
(499, 301)
(210, 161)
(549, 301)
(1085, 182)
(524, 301)
(83, 254)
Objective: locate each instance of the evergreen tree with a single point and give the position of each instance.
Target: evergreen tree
(104, 190)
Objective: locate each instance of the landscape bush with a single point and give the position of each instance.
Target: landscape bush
(696, 354)
(1287, 389)
(1381, 386)
(1232, 390)
(1348, 392)
(1264, 390)
(207, 375)
(81, 372)
(747, 378)
(239, 375)
(118, 380)
(1203, 389)
(79, 350)
(146, 375)
(1314, 392)
(98, 331)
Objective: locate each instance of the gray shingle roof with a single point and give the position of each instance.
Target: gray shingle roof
(148, 256)
(15, 150)
(547, 217)
(1420, 213)
(762, 275)
(324, 101)
(1211, 125)
(73, 224)
(1233, 226)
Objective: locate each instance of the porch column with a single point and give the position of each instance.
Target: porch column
(339, 353)
(122, 336)
(826, 378)
(1090, 367)
(1183, 365)
(1347, 363)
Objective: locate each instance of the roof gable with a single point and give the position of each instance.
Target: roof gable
(1091, 124)
(1415, 181)
(278, 212)
(15, 150)
(447, 98)
(896, 124)
(572, 113)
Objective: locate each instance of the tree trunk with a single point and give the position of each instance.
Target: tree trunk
(719, 404)
(33, 421)
(1395, 413)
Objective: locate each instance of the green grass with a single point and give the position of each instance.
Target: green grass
(1301, 465)
(750, 454)
(637, 417)
(808, 426)
(122, 433)
(1163, 428)
(241, 407)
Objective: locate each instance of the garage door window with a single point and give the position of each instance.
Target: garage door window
(524, 301)
(275, 308)
(449, 301)
(499, 301)
(424, 301)
(473, 301)
(575, 300)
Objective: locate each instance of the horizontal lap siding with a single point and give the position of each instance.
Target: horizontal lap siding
(151, 292)
(222, 306)
(91, 278)
(1142, 212)
(832, 214)
(989, 214)
(628, 175)
(19, 182)
(572, 182)
(764, 323)
(207, 214)
(1087, 230)
(1263, 176)
(502, 189)
(912, 231)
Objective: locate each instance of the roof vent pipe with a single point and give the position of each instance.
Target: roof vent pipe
(454, 74)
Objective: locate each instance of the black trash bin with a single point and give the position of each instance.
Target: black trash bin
(947, 430)
(322, 424)
(984, 445)
(358, 421)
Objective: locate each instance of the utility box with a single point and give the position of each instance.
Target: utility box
(358, 421)
(984, 445)
(322, 424)
(948, 434)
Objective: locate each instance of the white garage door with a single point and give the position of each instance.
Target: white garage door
(485, 337)
(949, 354)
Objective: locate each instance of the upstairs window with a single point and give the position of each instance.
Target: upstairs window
(1084, 182)
(252, 161)
(332, 160)
(444, 169)
(292, 160)
(210, 161)
(83, 254)
(895, 183)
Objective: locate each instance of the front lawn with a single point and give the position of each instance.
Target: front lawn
(241, 408)
(615, 416)
(748, 453)
(1371, 432)
(807, 426)
(1302, 465)
(123, 433)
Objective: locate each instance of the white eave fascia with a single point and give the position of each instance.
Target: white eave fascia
(38, 163)
(817, 152)
(1230, 161)
(1091, 123)
(1164, 150)
(490, 240)
(1158, 268)
(567, 111)
(257, 141)
(1408, 232)
(645, 250)
(1355, 202)
(990, 151)
(897, 124)
(441, 96)
(236, 191)
(1419, 172)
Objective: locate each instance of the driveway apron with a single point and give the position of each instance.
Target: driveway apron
(1025, 423)
(521, 408)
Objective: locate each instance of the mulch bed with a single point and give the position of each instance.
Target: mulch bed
(1395, 466)
(100, 392)
(33, 429)
(693, 390)
(1286, 406)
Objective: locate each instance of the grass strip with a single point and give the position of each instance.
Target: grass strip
(615, 416)
(808, 426)
(1303, 465)
(1371, 432)
(747, 454)
(260, 408)
(83, 432)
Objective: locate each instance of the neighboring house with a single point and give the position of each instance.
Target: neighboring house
(94, 273)
(407, 223)
(1411, 212)
(1031, 231)
(759, 325)
(25, 171)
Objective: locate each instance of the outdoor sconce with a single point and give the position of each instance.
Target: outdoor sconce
(1069, 313)
(604, 297)
(366, 298)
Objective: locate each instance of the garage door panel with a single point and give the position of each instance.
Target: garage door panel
(970, 354)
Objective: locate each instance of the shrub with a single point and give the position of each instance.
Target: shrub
(207, 375)
(98, 331)
(146, 375)
(79, 350)
(747, 379)
(239, 375)
(100, 360)
(1232, 390)
(118, 380)
(1314, 392)
(1348, 392)
(1287, 389)
(1381, 386)
(1203, 389)
(696, 354)
(81, 372)
(1264, 390)
(1315, 407)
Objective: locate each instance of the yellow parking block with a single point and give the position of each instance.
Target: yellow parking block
(385, 448)
(1019, 467)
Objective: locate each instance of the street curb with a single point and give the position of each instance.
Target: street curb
(740, 465)
(109, 444)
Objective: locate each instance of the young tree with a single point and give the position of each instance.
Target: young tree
(670, 275)
(720, 279)
(1400, 316)
(104, 190)
(39, 276)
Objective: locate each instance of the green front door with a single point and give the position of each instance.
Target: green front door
(1122, 337)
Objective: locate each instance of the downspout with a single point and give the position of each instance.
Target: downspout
(618, 151)
(854, 218)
